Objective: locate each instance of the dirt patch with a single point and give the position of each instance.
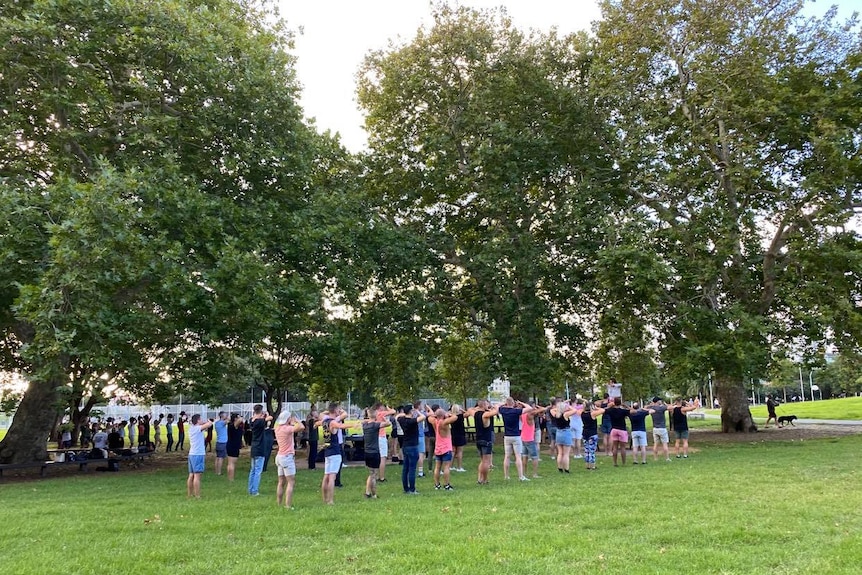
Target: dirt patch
(788, 433)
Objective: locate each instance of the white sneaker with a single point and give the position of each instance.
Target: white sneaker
(524, 479)
(579, 456)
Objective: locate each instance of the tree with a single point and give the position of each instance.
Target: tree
(463, 368)
(739, 133)
(486, 151)
(145, 146)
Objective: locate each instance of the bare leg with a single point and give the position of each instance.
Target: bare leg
(288, 495)
(231, 468)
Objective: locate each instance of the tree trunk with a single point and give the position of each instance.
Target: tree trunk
(27, 440)
(735, 412)
(80, 414)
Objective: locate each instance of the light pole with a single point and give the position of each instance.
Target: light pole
(801, 385)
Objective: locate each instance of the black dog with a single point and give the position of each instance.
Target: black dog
(785, 419)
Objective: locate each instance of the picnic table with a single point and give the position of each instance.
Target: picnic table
(43, 466)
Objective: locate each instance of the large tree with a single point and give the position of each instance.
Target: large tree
(739, 132)
(486, 150)
(145, 148)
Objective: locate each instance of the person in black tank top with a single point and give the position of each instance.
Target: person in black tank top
(483, 419)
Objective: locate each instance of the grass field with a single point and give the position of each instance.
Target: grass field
(746, 508)
(846, 408)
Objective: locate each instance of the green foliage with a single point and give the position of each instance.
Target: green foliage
(486, 152)
(738, 126)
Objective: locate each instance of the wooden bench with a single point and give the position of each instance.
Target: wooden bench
(696, 415)
(42, 465)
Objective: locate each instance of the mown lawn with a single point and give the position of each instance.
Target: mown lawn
(846, 408)
(747, 508)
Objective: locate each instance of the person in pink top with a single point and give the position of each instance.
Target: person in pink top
(286, 426)
(529, 445)
(442, 420)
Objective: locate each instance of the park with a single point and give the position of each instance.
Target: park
(669, 197)
(782, 501)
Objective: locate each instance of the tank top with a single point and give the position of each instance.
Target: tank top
(444, 444)
(483, 433)
(591, 426)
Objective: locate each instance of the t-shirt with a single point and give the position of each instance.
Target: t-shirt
(100, 440)
(370, 432)
(257, 428)
(410, 427)
(638, 420)
(196, 440)
(221, 431)
(511, 421)
(528, 427)
(284, 437)
(659, 418)
(617, 416)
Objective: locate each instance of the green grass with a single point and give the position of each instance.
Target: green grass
(846, 408)
(747, 508)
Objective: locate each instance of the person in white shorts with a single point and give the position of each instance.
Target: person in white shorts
(286, 426)
(658, 411)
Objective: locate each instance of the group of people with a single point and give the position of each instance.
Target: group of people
(421, 431)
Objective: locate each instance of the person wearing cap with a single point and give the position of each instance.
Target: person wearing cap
(658, 411)
(286, 427)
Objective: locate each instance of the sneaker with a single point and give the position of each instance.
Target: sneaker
(449, 488)
(381, 480)
(523, 479)
(668, 459)
(420, 475)
(685, 456)
(438, 486)
(677, 456)
(579, 456)
(537, 477)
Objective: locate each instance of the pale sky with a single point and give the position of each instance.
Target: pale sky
(337, 34)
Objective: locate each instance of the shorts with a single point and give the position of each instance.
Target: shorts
(443, 457)
(332, 464)
(552, 433)
(383, 446)
(530, 449)
(620, 435)
(286, 465)
(512, 444)
(577, 432)
(605, 427)
(372, 460)
(196, 463)
(484, 447)
(564, 437)
(639, 439)
(683, 434)
(422, 444)
(221, 450)
(659, 434)
(232, 452)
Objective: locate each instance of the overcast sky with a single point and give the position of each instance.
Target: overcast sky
(336, 35)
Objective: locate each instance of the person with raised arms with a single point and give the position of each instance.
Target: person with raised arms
(287, 426)
(409, 421)
(619, 431)
(333, 425)
(658, 411)
(483, 419)
(383, 414)
(591, 433)
(561, 414)
(510, 412)
(442, 421)
(197, 455)
(529, 441)
(637, 416)
(680, 425)
(459, 438)
(371, 429)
